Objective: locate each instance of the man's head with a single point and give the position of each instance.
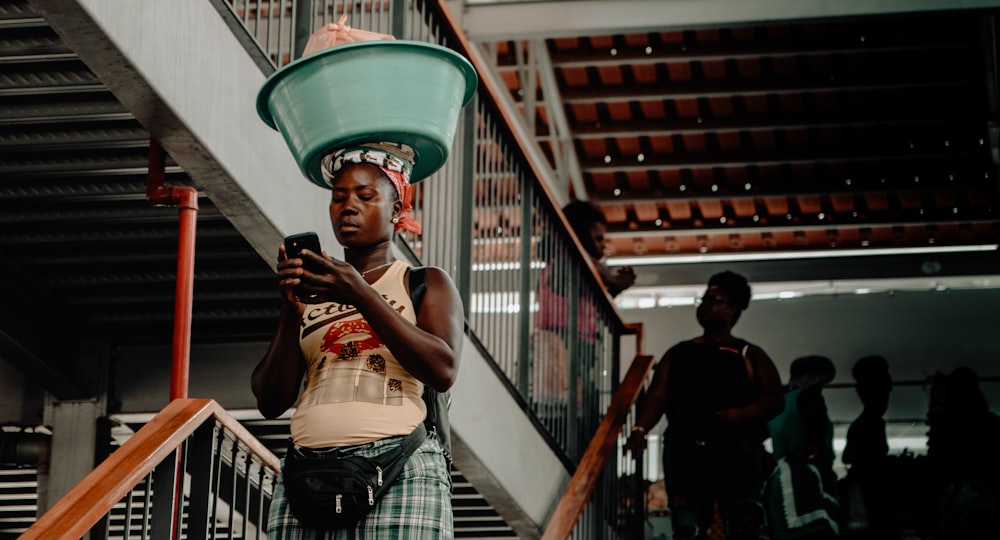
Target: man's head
(811, 370)
(873, 382)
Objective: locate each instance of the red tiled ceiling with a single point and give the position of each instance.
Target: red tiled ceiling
(629, 148)
(722, 107)
(695, 142)
(615, 214)
(653, 110)
(783, 239)
(584, 112)
(707, 35)
(909, 200)
(679, 211)
(604, 183)
(790, 103)
(686, 108)
(710, 209)
(618, 246)
(783, 65)
(802, 174)
(743, 33)
(860, 99)
(797, 137)
(809, 204)
(656, 244)
(672, 38)
(575, 77)
(820, 63)
(876, 202)
(776, 206)
(594, 148)
(661, 145)
(777, 31)
(762, 139)
(638, 181)
(743, 207)
(842, 203)
(565, 44)
(610, 75)
(729, 141)
(602, 42)
(644, 73)
(756, 104)
(703, 179)
(510, 79)
(825, 101)
(543, 116)
(848, 236)
(749, 68)
(647, 212)
(679, 71)
(831, 136)
(718, 242)
(619, 111)
(714, 69)
(636, 40)
(670, 180)
(944, 199)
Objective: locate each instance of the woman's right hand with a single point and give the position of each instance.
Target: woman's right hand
(289, 277)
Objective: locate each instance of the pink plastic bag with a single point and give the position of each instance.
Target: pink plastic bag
(338, 33)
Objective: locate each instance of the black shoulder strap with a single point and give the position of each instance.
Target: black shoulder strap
(437, 403)
(418, 286)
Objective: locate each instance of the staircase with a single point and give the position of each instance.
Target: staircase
(474, 516)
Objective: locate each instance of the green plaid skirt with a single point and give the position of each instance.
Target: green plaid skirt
(417, 506)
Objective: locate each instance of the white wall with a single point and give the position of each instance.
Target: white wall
(919, 333)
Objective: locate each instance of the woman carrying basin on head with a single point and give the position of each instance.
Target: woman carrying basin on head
(350, 330)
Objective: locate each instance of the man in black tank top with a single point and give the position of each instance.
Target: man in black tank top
(718, 392)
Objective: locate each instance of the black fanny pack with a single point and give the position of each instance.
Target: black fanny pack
(331, 490)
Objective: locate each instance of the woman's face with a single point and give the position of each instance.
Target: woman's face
(596, 247)
(362, 205)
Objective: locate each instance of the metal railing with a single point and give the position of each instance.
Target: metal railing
(533, 301)
(192, 472)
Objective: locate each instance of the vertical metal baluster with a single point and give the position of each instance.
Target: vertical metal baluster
(146, 504)
(245, 482)
(234, 460)
(217, 478)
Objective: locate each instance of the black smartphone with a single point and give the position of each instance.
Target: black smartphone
(295, 243)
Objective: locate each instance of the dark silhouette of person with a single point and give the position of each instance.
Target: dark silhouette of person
(964, 454)
(867, 495)
(801, 493)
(718, 392)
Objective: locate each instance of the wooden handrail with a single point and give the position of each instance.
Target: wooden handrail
(581, 485)
(116, 476)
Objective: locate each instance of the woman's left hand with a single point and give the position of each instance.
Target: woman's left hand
(325, 279)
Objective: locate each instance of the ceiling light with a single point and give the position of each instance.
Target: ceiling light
(786, 255)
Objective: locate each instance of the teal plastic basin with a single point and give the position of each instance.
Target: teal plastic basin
(402, 91)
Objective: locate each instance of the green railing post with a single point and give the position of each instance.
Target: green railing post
(524, 314)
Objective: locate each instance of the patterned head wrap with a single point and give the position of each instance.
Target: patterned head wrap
(395, 160)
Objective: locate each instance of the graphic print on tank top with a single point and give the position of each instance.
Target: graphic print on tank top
(353, 368)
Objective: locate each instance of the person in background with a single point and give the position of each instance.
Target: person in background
(718, 393)
(963, 448)
(350, 330)
(802, 442)
(590, 226)
(560, 288)
(868, 507)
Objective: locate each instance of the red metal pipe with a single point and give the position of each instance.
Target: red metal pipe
(158, 193)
